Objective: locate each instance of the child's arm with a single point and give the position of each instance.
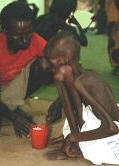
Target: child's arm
(107, 127)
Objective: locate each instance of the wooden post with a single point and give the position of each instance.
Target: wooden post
(47, 6)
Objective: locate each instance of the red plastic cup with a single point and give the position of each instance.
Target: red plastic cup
(39, 135)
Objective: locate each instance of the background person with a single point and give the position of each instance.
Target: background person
(112, 12)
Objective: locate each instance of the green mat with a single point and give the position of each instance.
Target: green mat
(46, 93)
(94, 57)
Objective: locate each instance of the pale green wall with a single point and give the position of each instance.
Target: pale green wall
(39, 3)
(4, 2)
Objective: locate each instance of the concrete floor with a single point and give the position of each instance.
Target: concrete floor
(19, 152)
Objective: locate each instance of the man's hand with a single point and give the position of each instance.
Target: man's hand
(21, 127)
(22, 123)
(21, 120)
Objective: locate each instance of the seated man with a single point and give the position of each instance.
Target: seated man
(75, 88)
(19, 48)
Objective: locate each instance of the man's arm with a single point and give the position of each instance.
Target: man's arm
(20, 123)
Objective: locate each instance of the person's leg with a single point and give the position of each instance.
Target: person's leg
(113, 46)
(102, 24)
(115, 58)
(55, 111)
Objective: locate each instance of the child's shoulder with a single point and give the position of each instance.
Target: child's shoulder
(90, 74)
(91, 78)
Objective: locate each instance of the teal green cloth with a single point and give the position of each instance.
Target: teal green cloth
(46, 93)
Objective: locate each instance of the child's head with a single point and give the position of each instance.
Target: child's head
(62, 49)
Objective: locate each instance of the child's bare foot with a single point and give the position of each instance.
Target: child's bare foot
(56, 155)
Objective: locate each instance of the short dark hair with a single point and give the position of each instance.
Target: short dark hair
(63, 7)
(62, 43)
(15, 10)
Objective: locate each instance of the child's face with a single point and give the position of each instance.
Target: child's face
(57, 61)
(64, 73)
(61, 67)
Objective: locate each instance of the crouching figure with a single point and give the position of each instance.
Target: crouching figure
(76, 87)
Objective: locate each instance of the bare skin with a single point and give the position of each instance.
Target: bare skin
(84, 86)
(75, 88)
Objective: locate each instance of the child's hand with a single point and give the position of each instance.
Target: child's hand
(72, 138)
(65, 74)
